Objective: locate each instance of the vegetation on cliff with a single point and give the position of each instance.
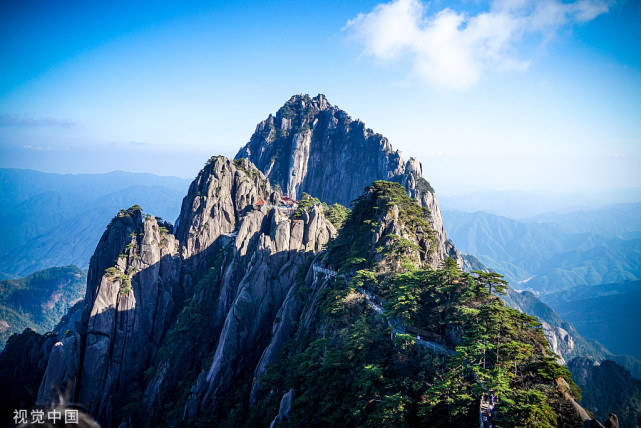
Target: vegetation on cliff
(349, 369)
(335, 213)
(354, 375)
(39, 300)
(371, 214)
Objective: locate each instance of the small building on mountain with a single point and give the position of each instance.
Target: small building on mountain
(288, 205)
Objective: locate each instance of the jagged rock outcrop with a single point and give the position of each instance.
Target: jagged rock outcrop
(284, 408)
(217, 199)
(269, 250)
(141, 273)
(131, 292)
(612, 421)
(561, 342)
(314, 147)
(239, 257)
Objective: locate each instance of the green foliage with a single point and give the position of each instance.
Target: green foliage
(365, 278)
(501, 349)
(306, 202)
(125, 284)
(370, 380)
(353, 248)
(493, 281)
(112, 271)
(39, 300)
(337, 215)
(424, 186)
(251, 172)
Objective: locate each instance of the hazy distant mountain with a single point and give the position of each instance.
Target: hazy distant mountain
(39, 300)
(569, 256)
(53, 219)
(608, 313)
(608, 388)
(619, 220)
(525, 205)
(545, 257)
(563, 337)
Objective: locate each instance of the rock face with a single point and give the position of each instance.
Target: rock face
(266, 254)
(235, 261)
(132, 284)
(314, 147)
(284, 408)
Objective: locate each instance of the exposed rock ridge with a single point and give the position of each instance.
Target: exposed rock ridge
(264, 306)
(127, 309)
(141, 274)
(314, 147)
(398, 231)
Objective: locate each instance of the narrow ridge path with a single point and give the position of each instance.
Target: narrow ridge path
(396, 325)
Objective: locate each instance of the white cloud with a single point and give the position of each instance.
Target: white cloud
(453, 49)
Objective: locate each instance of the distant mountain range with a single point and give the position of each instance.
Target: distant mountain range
(518, 204)
(55, 220)
(608, 388)
(609, 313)
(557, 254)
(617, 220)
(565, 258)
(39, 300)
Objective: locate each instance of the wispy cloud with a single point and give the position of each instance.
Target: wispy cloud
(8, 120)
(453, 49)
(36, 148)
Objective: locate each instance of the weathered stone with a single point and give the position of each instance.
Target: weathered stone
(284, 408)
(319, 149)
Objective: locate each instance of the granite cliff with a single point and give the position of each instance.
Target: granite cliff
(311, 146)
(230, 262)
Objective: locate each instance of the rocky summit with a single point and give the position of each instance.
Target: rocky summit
(268, 304)
(314, 147)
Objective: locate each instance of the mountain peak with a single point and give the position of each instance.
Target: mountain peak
(312, 147)
(319, 102)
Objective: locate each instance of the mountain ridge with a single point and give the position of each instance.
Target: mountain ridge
(303, 148)
(55, 220)
(39, 300)
(542, 257)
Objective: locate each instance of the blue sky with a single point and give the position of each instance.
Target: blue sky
(507, 94)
